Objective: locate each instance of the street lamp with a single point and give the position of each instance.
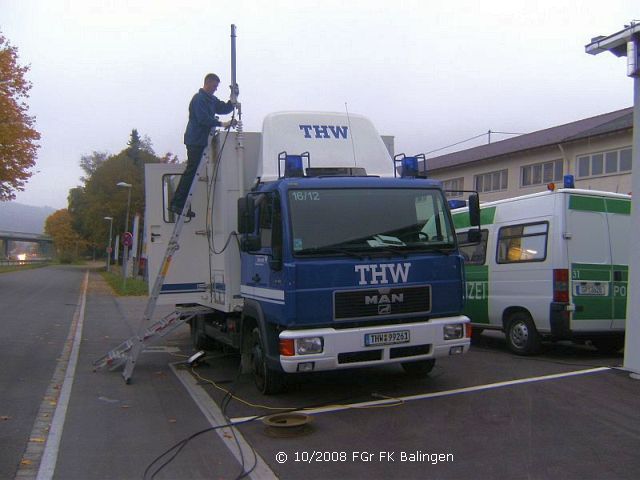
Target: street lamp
(125, 259)
(627, 43)
(109, 247)
(129, 186)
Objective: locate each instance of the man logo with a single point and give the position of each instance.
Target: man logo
(384, 308)
(384, 300)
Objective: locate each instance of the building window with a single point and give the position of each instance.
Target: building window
(453, 187)
(541, 173)
(491, 182)
(604, 163)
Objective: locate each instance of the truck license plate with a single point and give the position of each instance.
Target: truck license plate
(591, 289)
(386, 338)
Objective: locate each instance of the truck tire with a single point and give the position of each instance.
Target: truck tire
(199, 338)
(419, 368)
(267, 380)
(522, 336)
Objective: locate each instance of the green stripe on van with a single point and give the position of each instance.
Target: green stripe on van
(619, 206)
(477, 293)
(598, 291)
(461, 219)
(600, 204)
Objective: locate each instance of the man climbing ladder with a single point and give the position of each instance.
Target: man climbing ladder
(202, 118)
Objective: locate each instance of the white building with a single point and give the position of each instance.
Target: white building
(596, 150)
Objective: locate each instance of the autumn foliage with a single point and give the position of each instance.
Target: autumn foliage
(18, 136)
(66, 241)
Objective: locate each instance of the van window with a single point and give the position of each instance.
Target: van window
(523, 243)
(473, 254)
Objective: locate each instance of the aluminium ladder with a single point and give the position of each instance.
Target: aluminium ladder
(128, 351)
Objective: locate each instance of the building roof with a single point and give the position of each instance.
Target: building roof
(589, 127)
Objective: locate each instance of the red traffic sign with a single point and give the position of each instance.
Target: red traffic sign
(108, 249)
(127, 239)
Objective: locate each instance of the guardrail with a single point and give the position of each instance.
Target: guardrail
(30, 261)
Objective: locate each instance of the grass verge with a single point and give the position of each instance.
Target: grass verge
(133, 287)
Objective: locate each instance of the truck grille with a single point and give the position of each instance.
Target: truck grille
(381, 302)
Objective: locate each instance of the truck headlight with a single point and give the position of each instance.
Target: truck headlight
(309, 345)
(453, 331)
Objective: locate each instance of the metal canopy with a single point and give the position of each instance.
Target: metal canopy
(615, 43)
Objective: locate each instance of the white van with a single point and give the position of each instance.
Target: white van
(550, 265)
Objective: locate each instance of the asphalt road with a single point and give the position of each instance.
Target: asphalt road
(487, 414)
(37, 308)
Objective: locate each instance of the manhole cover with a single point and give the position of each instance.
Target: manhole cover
(287, 424)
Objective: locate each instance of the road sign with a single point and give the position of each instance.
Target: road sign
(127, 239)
(108, 249)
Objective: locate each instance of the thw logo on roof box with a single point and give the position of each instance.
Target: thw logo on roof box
(324, 131)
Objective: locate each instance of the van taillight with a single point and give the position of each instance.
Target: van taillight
(561, 285)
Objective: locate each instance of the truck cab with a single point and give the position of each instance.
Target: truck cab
(332, 261)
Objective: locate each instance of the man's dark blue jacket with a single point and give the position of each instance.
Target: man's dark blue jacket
(202, 117)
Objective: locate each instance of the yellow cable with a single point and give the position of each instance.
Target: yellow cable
(266, 407)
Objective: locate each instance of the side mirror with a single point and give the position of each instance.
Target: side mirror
(474, 235)
(275, 264)
(250, 243)
(474, 210)
(246, 209)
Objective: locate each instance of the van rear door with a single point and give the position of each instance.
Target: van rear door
(619, 222)
(590, 265)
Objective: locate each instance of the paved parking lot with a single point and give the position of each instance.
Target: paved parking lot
(486, 415)
(567, 413)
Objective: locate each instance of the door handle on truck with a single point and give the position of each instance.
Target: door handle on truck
(256, 278)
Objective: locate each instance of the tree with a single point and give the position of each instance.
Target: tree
(66, 241)
(90, 163)
(99, 196)
(18, 137)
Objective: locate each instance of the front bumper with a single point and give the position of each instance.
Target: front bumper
(345, 348)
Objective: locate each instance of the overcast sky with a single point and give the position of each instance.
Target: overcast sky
(431, 73)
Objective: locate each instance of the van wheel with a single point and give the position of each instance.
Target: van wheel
(522, 336)
(199, 338)
(419, 368)
(267, 380)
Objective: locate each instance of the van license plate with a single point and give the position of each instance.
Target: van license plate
(591, 289)
(386, 338)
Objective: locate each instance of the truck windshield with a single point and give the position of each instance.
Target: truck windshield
(356, 221)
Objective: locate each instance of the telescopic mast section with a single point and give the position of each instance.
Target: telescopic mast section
(235, 91)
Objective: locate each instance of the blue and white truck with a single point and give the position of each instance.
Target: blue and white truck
(312, 252)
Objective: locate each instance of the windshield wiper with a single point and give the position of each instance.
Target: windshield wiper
(330, 249)
(446, 248)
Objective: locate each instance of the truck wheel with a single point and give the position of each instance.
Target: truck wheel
(199, 338)
(608, 344)
(267, 380)
(522, 336)
(419, 368)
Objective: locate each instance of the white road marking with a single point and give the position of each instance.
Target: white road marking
(41, 453)
(457, 391)
(69, 361)
(215, 417)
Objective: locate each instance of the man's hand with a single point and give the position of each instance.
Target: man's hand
(235, 91)
(231, 123)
